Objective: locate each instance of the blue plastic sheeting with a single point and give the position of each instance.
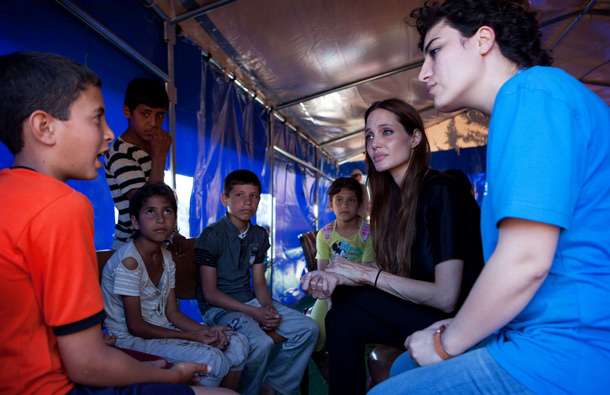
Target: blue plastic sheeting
(231, 136)
(347, 168)
(471, 161)
(187, 65)
(287, 140)
(41, 25)
(134, 23)
(325, 215)
(294, 194)
(327, 166)
(218, 128)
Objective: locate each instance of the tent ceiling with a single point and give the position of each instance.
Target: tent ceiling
(320, 63)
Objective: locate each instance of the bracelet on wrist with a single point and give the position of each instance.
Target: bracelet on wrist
(377, 278)
(437, 343)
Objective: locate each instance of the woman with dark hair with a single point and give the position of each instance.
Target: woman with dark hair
(537, 319)
(425, 233)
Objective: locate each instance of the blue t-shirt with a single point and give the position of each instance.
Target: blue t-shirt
(549, 161)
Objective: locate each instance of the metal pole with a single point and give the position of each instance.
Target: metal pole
(574, 22)
(113, 39)
(170, 39)
(201, 11)
(271, 192)
(350, 85)
(301, 162)
(316, 221)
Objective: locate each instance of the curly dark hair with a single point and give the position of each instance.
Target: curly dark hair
(513, 21)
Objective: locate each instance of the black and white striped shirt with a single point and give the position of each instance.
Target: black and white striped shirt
(127, 167)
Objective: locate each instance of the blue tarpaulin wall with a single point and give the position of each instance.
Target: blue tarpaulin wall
(233, 134)
(218, 127)
(470, 160)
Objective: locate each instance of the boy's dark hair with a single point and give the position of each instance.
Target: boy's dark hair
(146, 91)
(348, 183)
(241, 177)
(31, 81)
(149, 190)
(513, 21)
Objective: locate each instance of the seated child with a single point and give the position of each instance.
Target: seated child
(227, 251)
(347, 237)
(138, 284)
(52, 121)
(138, 156)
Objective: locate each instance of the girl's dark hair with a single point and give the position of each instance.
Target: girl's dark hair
(394, 208)
(513, 21)
(149, 190)
(348, 183)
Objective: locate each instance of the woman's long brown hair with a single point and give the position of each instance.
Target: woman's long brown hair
(394, 208)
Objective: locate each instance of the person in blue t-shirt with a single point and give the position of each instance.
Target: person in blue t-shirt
(537, 319)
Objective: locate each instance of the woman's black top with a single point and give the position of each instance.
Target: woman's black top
(447, 227)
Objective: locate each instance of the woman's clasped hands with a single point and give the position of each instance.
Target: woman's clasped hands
(319, 284)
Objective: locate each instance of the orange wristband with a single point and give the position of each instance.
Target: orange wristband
(437, 343)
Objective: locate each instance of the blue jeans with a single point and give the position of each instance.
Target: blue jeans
(473, 372)
(286, 370)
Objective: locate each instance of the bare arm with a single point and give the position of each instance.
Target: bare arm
(442, 294)
(159, 143)
(260, 285)
(213, 296)
(89, 361)
(158, 146)
(139, 327)
(176, 317)
(220, 299)
(182, 321)
(270, 320)
(520, 263)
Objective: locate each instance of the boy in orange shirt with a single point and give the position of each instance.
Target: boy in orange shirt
(52, 121)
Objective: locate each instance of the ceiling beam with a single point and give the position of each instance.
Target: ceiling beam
(113, 39)
(577, 19)
(562, 18)
(596, 83)
(350, 158)
(201, 11)
(350, 85)
(340, 139)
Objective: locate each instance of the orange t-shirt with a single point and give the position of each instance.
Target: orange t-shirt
(48, 279)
